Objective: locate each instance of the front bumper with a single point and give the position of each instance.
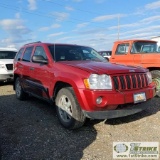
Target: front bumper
(111, 99)
(6, 77)
(109, 114)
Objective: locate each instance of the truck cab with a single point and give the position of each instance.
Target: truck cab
(142, 53)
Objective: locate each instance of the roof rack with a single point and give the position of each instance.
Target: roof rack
(33, 42)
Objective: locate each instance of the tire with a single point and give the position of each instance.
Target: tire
(156, 79)
(68, 110)
(155, 74)
(20, 94)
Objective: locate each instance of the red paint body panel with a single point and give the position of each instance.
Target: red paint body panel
(110, 98)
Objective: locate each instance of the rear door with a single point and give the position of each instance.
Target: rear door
(24, 66)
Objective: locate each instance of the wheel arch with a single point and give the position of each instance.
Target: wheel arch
(62, 84)
(59, 85)
(153, 68)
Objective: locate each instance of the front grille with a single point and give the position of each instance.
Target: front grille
(9, 66)
(131, 81)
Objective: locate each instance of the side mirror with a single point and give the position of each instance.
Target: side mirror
(39, 59)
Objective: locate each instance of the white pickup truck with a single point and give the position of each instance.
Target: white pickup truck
(105, 54)
(6, 63)
(158, 42)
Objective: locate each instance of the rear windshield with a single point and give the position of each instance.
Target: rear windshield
(144, 47)
(74, 53)
(7, 54)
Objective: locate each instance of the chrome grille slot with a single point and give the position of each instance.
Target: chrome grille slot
(9, 66)
(129, 81)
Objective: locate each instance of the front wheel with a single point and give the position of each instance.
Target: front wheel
(68, 109)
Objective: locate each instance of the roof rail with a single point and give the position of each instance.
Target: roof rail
(33, 42)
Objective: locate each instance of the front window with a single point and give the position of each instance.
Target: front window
(39, 51)
(74, 53)
(7, 54)
(144, 47)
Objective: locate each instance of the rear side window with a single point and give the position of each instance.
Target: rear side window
(122, 49)
(19, 54)
(27, 54)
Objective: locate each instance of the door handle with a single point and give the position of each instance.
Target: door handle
(31, 68)
(113, 58)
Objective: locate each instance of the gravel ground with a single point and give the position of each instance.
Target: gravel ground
(30, 130)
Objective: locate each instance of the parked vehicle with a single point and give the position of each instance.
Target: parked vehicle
(157, 39)
(105, 54)
(142, 53)
(6, 63)
(80, 82)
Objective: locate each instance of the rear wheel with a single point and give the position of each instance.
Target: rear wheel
(20, 94)
(68, 109)
(156, 80)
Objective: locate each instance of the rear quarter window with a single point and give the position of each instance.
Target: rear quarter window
(19, 54)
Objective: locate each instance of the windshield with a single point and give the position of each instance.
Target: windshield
(145, 47)
(74, 53)
(7, 54)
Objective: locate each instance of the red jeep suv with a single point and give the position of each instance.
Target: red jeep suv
(80, 82)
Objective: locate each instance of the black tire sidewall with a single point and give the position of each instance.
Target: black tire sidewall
(22, 94)
(75, 108)
(155, 73)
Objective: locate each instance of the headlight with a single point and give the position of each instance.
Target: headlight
(2, 66)
(96, 81)
(149, 77)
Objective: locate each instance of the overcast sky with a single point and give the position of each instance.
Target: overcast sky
(95, 23)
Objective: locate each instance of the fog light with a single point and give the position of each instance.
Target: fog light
(99, 100)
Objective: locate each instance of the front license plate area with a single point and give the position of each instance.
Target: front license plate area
(139, 97)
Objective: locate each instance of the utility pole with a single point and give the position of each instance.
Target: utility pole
(118, 27)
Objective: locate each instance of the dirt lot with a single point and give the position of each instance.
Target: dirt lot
(30, 130)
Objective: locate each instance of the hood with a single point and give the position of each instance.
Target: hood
(103, 67)
(6, 61)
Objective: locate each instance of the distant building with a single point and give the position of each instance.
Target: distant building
(158, 41)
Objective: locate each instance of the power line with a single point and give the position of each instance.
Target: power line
(77, 9)
(44, 15)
